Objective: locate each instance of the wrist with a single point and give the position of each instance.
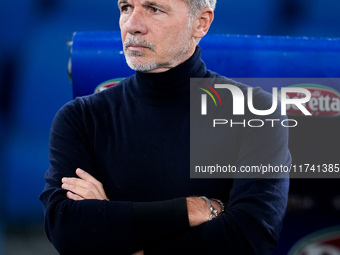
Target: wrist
(198, 211)
(218, 204)
(213, 210)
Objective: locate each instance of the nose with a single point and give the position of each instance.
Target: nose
(135, 23)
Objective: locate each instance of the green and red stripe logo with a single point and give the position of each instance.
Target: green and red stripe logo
(210, 94)
(107, 84)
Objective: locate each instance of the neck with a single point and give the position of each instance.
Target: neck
(171, 83)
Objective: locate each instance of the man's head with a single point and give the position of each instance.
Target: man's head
(160, 34)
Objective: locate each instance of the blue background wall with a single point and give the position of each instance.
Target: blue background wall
(34, 82)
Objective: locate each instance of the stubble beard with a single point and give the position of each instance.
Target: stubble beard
(136, 61)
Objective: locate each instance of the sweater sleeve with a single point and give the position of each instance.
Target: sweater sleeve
(251, 224)
(94, 226)
(256, 207)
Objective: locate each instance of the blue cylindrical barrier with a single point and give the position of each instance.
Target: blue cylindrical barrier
(98, 56)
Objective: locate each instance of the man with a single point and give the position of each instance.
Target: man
(119, 180)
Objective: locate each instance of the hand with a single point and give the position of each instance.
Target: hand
(139, 253)
(199, 211)
(84, 187)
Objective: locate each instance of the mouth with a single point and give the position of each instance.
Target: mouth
(136, 47)
(137, 44)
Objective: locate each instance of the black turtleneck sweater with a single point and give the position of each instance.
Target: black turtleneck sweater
(134, 138)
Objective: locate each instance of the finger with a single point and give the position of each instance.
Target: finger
(75, 181)
(82, 192)
(86, 176)
(83, 188)
(73, 196)
(89, 178)
(75, 185)
(86, 186)
(80, 183)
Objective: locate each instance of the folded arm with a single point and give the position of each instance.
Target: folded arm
(86, 223)
(87, 187)
(95, 225)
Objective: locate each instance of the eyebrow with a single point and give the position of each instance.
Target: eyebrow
(122, 2)
(150, 3)
(154, 4)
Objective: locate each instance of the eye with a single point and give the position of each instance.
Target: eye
(154, 10)
(126, 8)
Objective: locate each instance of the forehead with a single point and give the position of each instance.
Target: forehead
(151, 2)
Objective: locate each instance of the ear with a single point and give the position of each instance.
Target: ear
(202, 22)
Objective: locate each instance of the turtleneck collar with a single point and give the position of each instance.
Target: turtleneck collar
(169, 84)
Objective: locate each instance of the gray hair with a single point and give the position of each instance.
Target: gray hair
(195, 6)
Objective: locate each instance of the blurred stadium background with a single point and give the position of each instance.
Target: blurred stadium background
(34, 85)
